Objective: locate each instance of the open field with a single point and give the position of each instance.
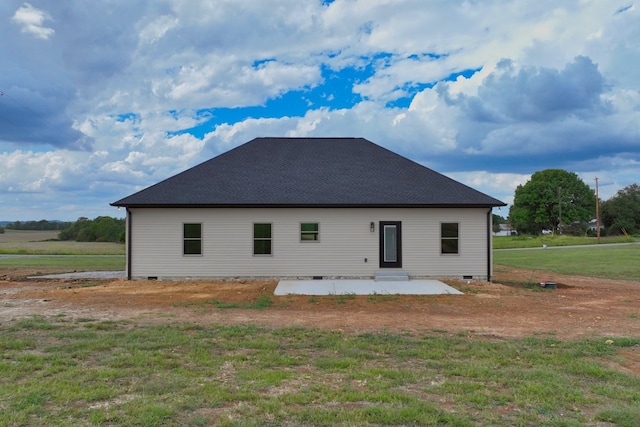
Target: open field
(14, 236)
(62, 248)
(231, 353)
(61, 371)
(509, 242)
(43, 243)
(607, 262)
(117, 352)
(64, 263)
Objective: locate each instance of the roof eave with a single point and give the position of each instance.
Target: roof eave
(314, 205)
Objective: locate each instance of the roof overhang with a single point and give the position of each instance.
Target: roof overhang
(289, 206)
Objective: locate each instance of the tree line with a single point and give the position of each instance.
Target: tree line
(100, 229)
(559, 201)
(37, 225)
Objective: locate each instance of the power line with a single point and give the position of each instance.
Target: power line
(37, 115)
(26, 107)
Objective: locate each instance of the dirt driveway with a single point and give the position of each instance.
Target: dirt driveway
(512, 306)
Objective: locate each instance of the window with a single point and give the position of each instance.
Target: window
(262, 239)
(192, 239)
(449, 238)
(309, 232)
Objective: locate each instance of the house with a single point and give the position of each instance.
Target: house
(505, 230)
(309, 208)
(593, 225)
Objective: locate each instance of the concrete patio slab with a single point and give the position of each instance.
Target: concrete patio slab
(363, 287)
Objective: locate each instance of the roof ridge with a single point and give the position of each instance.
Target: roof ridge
(308, 137)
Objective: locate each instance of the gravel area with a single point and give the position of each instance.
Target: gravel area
(85, 275)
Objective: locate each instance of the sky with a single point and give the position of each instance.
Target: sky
(101, 99)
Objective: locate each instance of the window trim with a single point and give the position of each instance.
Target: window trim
(456, 238)
(192, 239)
(254, 238)
(314, 233)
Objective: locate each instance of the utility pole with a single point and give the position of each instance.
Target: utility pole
(597, 212)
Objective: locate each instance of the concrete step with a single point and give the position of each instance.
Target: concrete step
(391, 276)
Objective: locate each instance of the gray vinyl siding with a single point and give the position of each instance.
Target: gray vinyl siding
(345, 242)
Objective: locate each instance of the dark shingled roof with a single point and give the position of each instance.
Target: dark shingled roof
(309, 172)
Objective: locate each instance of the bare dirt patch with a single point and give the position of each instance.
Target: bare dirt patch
(514, 305)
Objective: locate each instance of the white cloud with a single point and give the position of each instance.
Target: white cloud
(155, 30)
(100, 109)
(500, 185)
(32, 21)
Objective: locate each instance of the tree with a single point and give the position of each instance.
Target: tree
(621, 213)
(551, 197)
(101, 229)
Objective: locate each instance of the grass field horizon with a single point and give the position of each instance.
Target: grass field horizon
(21, 242)
(551, 240)
(68, 370)
(42, 250)
(60, 371)
(613, 262)
(606, 262)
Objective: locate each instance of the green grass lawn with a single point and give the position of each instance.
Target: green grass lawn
(55, 255)
(59, 371)
(509, 242)
(607, 262)
(84, 371)
(67, 263)
(61, 248)
(46, 243)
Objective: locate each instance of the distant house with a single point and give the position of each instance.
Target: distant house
(505, 230)
(593, 225)
(309, 208)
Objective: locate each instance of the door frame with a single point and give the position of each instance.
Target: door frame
(398, 262)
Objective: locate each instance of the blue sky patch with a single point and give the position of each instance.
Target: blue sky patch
(127, 116)
(334, 94)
